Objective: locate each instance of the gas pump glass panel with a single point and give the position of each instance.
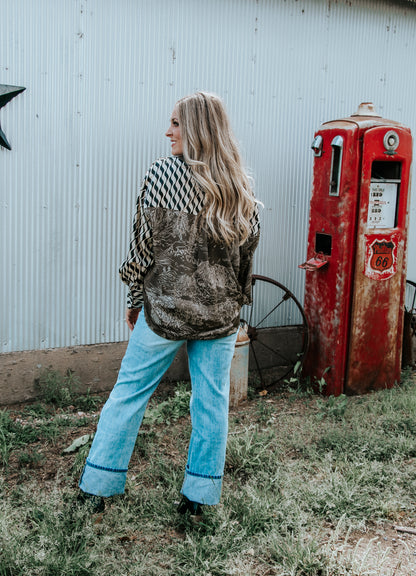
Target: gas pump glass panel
(337, 145)
(384, 194)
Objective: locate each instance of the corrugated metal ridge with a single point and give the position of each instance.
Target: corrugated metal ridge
(101, 79)
(395, 2)
(391, 2)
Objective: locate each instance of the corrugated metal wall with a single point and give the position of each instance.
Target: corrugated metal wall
(101, 79)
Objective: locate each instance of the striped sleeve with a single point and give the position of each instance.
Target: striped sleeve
(168, 184)
(140, 255)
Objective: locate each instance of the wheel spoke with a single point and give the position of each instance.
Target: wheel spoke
(270, 313)
(256, 362)
(277, 330)
(274, 352)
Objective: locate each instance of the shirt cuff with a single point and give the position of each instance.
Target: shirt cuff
(134, 298)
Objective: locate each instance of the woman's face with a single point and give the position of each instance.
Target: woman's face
(174, 133)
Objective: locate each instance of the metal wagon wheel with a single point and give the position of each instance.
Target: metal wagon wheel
(278, 332)
(409, 336)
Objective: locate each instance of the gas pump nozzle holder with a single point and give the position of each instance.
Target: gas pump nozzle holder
(315, 263)
(357, 244)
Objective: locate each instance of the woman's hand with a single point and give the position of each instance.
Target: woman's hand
(131, 316)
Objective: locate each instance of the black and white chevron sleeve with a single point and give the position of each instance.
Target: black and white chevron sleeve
(140, 255)
(168, 184)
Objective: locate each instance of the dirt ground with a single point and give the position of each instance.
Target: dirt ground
(385, 546)
(390, 546)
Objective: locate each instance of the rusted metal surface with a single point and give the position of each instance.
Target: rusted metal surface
(375, 346)
(354, 305)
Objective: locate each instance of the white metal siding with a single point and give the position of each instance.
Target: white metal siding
(102, 78)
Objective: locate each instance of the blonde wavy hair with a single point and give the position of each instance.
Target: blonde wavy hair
(211, 151)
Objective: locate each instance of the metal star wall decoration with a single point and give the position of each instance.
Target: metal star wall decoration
(7, 93)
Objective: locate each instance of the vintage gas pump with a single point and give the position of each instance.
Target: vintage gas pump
(356, 259)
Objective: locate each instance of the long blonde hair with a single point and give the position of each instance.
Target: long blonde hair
(211, 151)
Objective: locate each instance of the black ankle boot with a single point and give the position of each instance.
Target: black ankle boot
(91, 503)
(194, 508)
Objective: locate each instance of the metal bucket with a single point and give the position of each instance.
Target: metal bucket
(239, 369)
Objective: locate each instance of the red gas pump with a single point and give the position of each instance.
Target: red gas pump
(356, 259)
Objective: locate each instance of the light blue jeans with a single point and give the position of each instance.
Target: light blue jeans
(147, 358)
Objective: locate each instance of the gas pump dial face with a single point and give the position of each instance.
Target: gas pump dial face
(382, 205)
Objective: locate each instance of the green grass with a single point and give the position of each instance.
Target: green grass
(63, 390)
(302, 474)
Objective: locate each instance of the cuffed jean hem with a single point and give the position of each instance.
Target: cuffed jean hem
(194, 486)
(100, 481)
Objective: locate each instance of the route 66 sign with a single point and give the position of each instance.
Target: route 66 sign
(381, 257)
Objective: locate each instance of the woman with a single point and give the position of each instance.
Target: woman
(189, 272)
